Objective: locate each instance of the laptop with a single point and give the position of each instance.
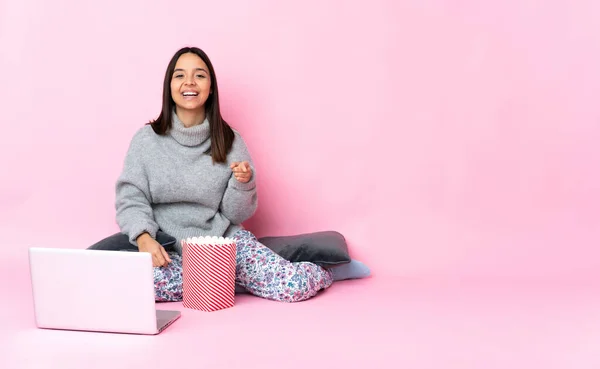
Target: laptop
(95, 290)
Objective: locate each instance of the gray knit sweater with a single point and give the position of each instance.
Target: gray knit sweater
(170, 183)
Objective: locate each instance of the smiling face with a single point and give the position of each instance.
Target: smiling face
(190, 84)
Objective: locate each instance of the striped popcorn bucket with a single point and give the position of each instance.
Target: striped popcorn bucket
(208, 273)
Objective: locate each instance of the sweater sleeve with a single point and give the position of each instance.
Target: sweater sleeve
(134, 213)
(240, 199)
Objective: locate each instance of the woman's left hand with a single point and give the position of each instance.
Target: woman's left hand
(241, 171)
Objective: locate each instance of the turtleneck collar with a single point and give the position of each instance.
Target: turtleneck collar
(192, 136)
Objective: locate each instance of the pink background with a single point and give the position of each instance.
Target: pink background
(450, 141)
(443, 138)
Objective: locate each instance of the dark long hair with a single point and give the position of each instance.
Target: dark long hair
(221, 134)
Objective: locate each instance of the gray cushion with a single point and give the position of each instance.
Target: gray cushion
(326, 248)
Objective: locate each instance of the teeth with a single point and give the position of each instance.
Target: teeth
(190, 94)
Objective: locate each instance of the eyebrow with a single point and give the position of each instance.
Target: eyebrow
(181, 70)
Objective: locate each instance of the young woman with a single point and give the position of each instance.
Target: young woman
(188, 173)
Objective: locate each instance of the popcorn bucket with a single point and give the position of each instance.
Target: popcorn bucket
(208, 273)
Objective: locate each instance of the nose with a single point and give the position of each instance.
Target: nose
(190, 81)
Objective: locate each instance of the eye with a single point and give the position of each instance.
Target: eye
(178, 75)
(200, 76)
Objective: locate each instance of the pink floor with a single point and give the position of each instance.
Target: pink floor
(372, 323)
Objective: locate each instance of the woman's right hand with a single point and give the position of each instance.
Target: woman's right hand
(159, 254)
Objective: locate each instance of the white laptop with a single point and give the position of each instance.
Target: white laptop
(98, 291)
